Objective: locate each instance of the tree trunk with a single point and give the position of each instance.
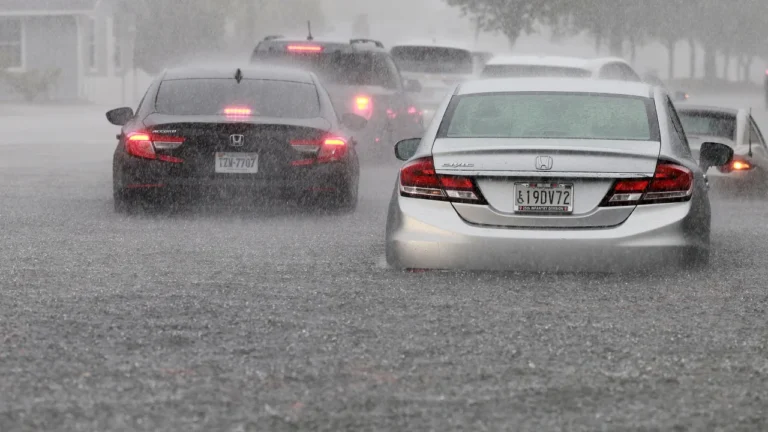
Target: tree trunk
(632, 49)
(671, 59)
(616, 40)
(710, 63)
(692, 45)
(747, 67)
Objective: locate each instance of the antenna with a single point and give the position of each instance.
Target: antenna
(309, 30)
(749, 131)
(238, 75)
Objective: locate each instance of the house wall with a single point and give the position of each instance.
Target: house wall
(50, 43)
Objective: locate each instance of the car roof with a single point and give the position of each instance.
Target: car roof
(329, 42)
(274, 73)
(555, 61)
(556, 85)
(709, 109)
(434, 44)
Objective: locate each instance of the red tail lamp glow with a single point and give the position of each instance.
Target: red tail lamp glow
(238, 111)
(143, 145)
(305, 48)
(364, 107)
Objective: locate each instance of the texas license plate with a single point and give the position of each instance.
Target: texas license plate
(237, 163)
(544, 198)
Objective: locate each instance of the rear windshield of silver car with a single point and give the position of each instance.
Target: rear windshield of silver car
(551, 115)
(533, 71)
(265, 98)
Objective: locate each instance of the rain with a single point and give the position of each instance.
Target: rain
(207, 224)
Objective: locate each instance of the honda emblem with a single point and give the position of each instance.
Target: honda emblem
(544, 163)
(236, 140)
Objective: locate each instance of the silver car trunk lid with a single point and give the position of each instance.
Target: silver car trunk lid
(588, 167)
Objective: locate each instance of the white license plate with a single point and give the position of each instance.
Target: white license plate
(544, 198)
(237, 163)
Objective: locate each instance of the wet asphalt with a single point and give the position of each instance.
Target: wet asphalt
(231, 318)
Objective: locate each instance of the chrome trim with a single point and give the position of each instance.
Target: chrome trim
(536, 174)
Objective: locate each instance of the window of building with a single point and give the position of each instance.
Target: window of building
(91, 44)
(11, 56)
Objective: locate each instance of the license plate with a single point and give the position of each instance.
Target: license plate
(544, 198)
(237, 163)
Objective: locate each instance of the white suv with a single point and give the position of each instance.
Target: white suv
(608, 68)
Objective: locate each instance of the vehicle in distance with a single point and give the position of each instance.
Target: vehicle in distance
(360, 77)
(737, 129)
(607, 68)
(652, 78)
(552, 174)
(437, 67)
(258, 132)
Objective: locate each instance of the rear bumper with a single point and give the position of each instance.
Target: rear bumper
(132, 174)
(430, 235)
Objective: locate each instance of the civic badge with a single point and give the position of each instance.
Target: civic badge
(544, 163)
(236, 140)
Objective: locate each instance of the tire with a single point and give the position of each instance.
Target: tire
(696, 259)
(124, 203)
(345, 201)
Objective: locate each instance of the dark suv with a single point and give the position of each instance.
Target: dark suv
(361, 77)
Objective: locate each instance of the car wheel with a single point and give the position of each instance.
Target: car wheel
(124, 202)
(696, 259)
(345, 201)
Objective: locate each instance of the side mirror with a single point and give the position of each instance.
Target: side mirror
(405, 149)
(354, 122)
(120, 116)
(412, 86)
(714, 154)
(681, 96)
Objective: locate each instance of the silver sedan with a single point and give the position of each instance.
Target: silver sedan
(552, 174)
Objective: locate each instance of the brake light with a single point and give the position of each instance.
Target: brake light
(738, 164)
(413, 111)
(238, 113)
(144, 145)
(670, 183)
(364, 107)
(328, 149)
(305, 48)
(418, 179)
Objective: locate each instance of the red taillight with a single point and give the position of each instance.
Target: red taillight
(418, 179)
(305, 48)
(363, 106)
(670, 183)
(143, 145)
(328, 149)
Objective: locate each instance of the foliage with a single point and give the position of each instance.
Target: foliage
(733, 27)
(166, 33)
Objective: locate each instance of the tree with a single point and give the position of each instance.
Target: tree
(510, 17)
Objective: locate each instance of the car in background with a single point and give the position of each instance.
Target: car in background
(737, 129)
(607, 68)
(258, 132)
(652, 78)
(552, 174)
(437, 67)
(361, 77)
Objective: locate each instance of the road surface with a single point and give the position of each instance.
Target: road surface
(241, 319)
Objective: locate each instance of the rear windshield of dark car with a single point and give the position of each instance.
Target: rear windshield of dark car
(339, 68)
(533, 71)
(266, 98)
(438, 60)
